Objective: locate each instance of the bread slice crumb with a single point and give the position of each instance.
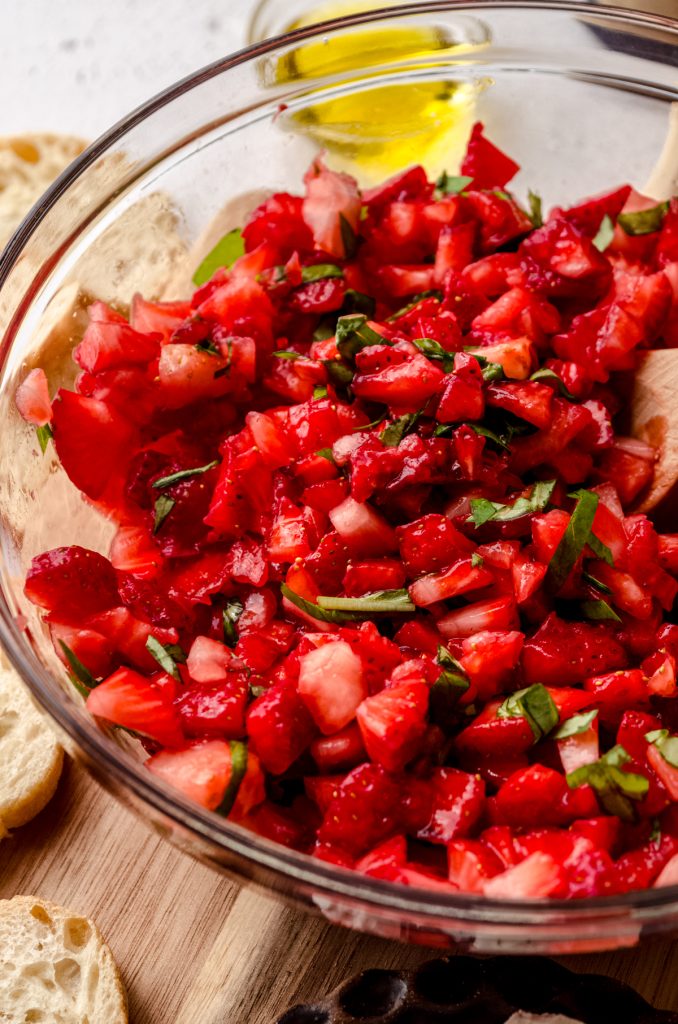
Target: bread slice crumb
(55, 967)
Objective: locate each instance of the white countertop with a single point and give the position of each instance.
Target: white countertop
(80, 65)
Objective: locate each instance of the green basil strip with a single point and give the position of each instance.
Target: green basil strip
(393, 434)
(320, 272)
(379, 601)
(576, 725)
(81, 677)
(319, 391)
(432, 349)
(165, 655)
(325, 453)
(349, 238)
(238, 772)
(477, 560)
(449, 687)
(495, 438)
(208, 346)
(162, 508)
(600, 550)
(339, 373)
(643, 222)
(314, 610)
(536, 706)
(230, 616)
(224, 254)
(287, 353)
(44, 434)
(666, 744)
(605, 234)
(183, 474)
(575, 538)
(354, 334)
(358, 302)
(616, 789)
(599, 611)
(484, 511)
(492, 372)
(548, 375)
(598, 584)
(536, 213)
(452, 184)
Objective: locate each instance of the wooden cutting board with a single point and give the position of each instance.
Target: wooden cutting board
(195, 949)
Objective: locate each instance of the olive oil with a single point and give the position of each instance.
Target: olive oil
(378, 129)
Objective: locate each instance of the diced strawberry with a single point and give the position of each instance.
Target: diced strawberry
(385, 860)
(616, 691)
(460, 578)
(562, 653)
(90, 647)
(457, 805)
(280, 728)
(533, 794)
(32, 398)
(427, 544)
(158, 317)
(215, 710)
(529, 400)
(485, 164)
(73, 580)
(93, 441)
(405, 387)
(130, 700)
(332, 200)
(364, 812)
(210, 661)
(487, 658)
(331, 685)
(471, 864)
(666, 771)
(341, 751)
(496, 614)
(132, 550)
(106, 346)
(365, 531)
(490, 735)
(536, 877)
(202, 772)
(393, 723)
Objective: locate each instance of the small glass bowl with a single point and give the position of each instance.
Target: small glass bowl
(579, 96)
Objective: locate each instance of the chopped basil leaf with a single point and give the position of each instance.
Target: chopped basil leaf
(450, 685)
(230, 616)
(605, 234)
(602, 587)
(325, 453)
(600, 550)
(353, 334)
(666, 744)
(348, 237)
(535, 704)
(358, 302)
(379, 601)
(325, 329)
(319, 391)
(393, 434)
(656, 833)
(491, 371)
(495, 438)
(287, 353)
(314, 610)
(548, 375)
(183, 474)
(320, 272)
(256, 690)
(643, 222)
(575, 538)
(452, 184)
(208, 346)
(165, 655)
(499, 193)
(224, 254)
(576, 725)
(477, 560)
(368, 426)
(80, 674)
(339, 373)
(44, 434)
(434, 350)
(238, 771)
(599, 611)
(162, 508)
(616, 789)
(535, 213)
(432, 293)
(482, 510)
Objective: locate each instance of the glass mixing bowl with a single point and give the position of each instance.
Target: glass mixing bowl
(578, 96)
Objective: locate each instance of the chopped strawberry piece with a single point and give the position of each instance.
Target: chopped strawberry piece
(393, 723)
(280, 728)
(93, 441)
(128, 699)
(364, 811)
(32, 398)
(74, 580)
(487, 165)
(331, 685)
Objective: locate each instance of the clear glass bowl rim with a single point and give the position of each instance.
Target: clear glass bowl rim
(299, 869)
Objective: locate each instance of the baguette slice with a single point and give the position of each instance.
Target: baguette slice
(55, 967)
(30, 757)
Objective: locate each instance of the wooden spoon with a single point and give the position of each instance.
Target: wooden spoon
(654, 400)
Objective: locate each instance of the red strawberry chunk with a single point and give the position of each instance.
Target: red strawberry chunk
(471, 864)
(538, 876)
(93, 441)
(128, 699)
(280, 728)
(487, 165)
(331, 685)
(393, 723)
(32, 398)
(74, 580)
(458, 802)
(364, 811)
(460, 578)
(215, 710)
